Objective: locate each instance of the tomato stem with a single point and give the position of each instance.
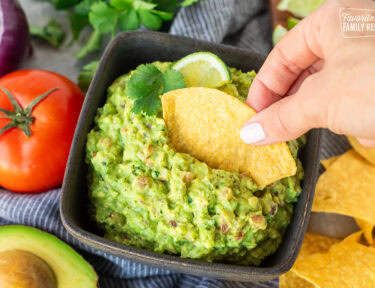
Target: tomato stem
(21, 118)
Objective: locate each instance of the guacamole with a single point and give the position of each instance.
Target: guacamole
(145, 194)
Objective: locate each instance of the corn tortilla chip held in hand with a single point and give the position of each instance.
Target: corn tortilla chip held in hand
(206, 123)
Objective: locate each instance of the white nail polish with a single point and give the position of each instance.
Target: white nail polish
(252, 133)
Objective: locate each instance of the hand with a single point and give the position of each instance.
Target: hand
(314, 77)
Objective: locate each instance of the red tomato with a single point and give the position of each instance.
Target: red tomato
(36, 163)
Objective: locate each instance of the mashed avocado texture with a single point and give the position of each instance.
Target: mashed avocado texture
(145, 194)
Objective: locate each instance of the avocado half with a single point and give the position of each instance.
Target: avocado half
(69, 268)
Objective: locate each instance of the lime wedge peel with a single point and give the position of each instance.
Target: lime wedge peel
(278, 33)
(203, 69)
(291, 22)
(300, 8)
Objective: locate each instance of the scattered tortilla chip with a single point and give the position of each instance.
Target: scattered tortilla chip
(206, 123)
(312, 244)
(347, 264)
(367, 229)
(292, 280)
(328, 162)
(355, 237)
(348, 188)
(365, 152)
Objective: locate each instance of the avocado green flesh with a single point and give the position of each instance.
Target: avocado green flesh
(69, 268)
(145, 194)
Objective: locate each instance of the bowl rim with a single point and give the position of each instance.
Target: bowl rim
(162, 260)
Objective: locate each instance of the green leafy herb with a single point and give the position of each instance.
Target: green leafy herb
(52, 32)
(129, 20)
(172, 80)
(62, 4)
(77, 24)
(103, 18)
(84, 7)
(149, 20)
(148, 83)
(92, 44)
(86, 75)
(112, 16)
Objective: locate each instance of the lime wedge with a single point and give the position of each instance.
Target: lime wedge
(300, 8)
(278, 33)
(291, 22)
(203, 69)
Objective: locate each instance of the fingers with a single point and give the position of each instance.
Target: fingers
(317, 66)
(370, 143)
(297, 51)
(288, 118)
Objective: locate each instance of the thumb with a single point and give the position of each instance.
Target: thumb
(287, 118)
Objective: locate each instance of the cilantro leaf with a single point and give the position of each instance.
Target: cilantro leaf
(85, 76)
(186, 3)
(150, 102)
(52, 32)
(122, 5)
(172, 80)
(167, 16)
(166, 5)
(84, 7)
(77, 23)
(147, 74)
(144, 5)
(129, 20)
(147, 83)
(150, 20)
(103, 17)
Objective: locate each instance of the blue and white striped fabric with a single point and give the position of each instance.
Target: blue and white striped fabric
(243, 23)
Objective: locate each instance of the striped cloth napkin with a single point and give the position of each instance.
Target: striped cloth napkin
(243, 23)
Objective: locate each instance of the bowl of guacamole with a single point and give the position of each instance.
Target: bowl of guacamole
(150, 203)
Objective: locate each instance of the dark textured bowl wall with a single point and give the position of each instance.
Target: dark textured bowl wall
(123, 54)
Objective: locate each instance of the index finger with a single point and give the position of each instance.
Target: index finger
(298, 50)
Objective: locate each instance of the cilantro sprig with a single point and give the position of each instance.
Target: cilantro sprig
(52, 32)
(113, 16)
(147, 84)
(108, 17)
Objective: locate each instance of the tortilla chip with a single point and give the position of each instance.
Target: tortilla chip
(348, 188)
(365, 152)
(355, 237)
(292, 280)
(328, 162)
(347, 264)
(367, 229)
(312, 244)
(206, 123)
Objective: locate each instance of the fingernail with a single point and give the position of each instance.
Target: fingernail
(252, 133)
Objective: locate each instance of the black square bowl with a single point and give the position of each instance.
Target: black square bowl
(123, 54)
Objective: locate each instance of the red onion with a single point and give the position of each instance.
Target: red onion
(14, 35)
